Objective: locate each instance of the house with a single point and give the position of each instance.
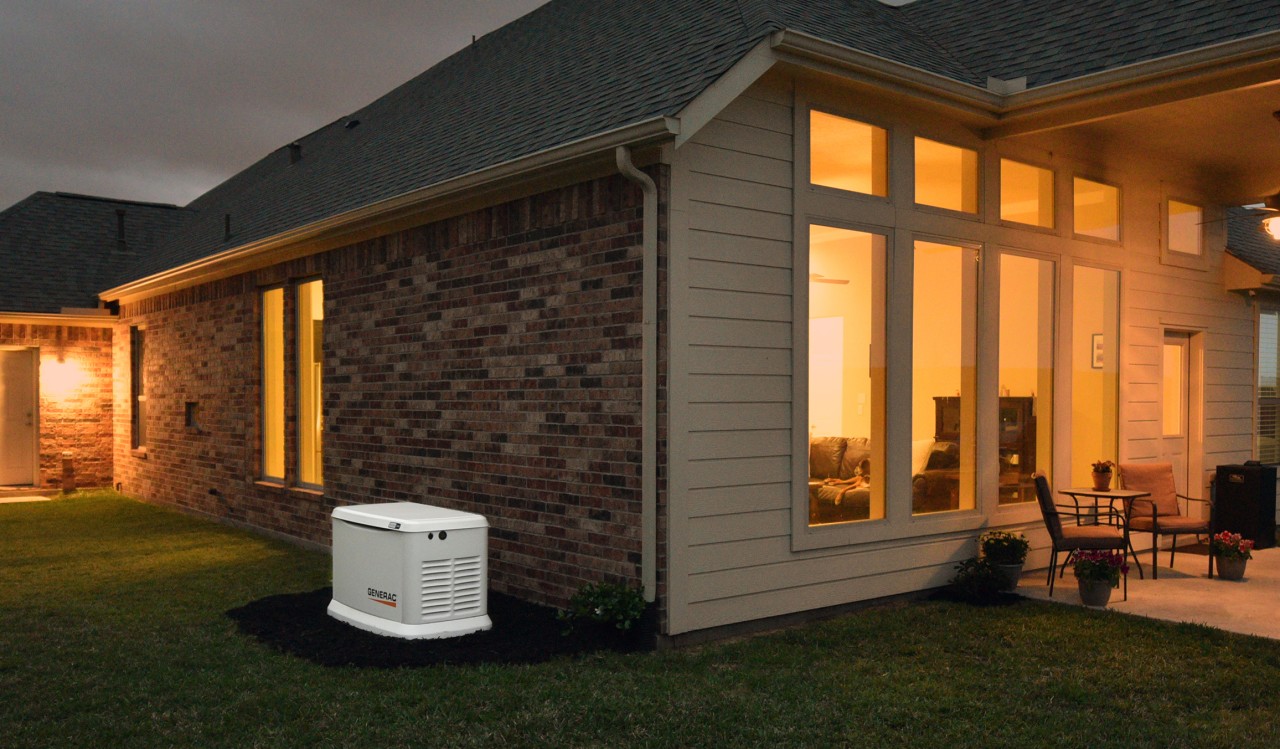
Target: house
(769, 307)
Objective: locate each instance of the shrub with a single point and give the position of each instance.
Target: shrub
(977, 581)
(604, 603)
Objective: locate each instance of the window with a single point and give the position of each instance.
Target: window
(1026, 374)
(1095, 369)
(946, 176)
(847, 154)
(1026, 194)
(846, 375)
(310, 364)
(273, 384)
(137, 389)
(1097, 209)
(1184, 221)
(944, 358)
(1173, 393)
(1268, 439)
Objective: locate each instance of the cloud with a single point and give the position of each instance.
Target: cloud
(161, 101)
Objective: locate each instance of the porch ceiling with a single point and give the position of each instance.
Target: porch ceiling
(1228, 142)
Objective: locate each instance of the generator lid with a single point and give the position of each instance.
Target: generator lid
(409, 517)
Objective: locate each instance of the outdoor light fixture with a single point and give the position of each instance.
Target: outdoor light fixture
(1271, 225)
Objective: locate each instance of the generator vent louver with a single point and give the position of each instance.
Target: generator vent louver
(451, 587)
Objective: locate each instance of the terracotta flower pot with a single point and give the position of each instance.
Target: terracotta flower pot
(1094, 592)
(1231, 568)
(1101, 481)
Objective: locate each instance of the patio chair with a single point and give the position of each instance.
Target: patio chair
(1074, 537)
(1161, 514)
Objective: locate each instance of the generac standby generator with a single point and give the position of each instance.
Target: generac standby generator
(409, 570)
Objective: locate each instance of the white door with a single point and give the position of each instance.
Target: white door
(17, 417)
(1175, 404)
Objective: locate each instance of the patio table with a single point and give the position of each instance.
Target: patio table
(1095, 496)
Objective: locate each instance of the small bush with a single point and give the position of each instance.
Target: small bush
(977, 581)
(604, 603)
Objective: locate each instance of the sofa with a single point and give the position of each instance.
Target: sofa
(839, 479)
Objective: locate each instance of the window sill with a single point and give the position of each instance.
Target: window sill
(139, 452)
(307, 491)
(269, 484)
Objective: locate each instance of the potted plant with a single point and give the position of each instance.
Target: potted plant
(1232, 553)
(1006, 552)
(1097, 572)
(1102, 475)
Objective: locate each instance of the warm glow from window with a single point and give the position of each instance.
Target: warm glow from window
(1097, 209)
(1026, 374)
(1173, 393)
(846, 375)
(1026, 194)
(943, 364)
(1095, 369)
(62, 379)
(310, 392)
(946, 176)
(273, 384)
(1268, 426)
(1184, 227)
(847, 154)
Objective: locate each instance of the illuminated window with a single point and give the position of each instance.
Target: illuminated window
(1026, 374)
(1184, 227)
(944, 357)
(1095, 369)
(273, 384)
(946, 176)
(1026, 194)
(310, 364)
(846, 375)
(1097, 209)
(1268, 437)
(137, 388)
(847, 154)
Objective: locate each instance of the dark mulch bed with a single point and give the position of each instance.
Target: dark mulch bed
(522, 632)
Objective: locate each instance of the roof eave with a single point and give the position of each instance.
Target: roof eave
(75, 320)
(390, 214)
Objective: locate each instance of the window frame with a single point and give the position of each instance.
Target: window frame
(1178, 258)
(264, 423)
(804, 153)
(301, 387)
(978, 186)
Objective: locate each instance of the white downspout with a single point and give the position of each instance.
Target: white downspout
(649, 376)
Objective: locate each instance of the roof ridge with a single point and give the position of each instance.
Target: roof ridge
(919, 30)
(102, 199)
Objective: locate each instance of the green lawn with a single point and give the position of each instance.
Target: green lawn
(113, 633)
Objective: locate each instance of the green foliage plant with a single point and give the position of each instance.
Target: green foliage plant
(1003, 547)
(604, 603)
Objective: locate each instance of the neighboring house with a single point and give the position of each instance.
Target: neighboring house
(58, 251)
(641, 281)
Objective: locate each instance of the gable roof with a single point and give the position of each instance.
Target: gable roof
(59, 250)
(573, 69)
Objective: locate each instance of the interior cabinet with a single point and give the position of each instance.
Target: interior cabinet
(1017, 441)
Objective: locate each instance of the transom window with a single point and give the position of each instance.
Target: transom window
(1026, 194)
(946, 176)
(1185, 221)
(848, 155)
(1097, 209)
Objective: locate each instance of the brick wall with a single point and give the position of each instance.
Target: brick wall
(75, 399)
(489, 363)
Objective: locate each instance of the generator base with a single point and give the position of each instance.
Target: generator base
(429, 631)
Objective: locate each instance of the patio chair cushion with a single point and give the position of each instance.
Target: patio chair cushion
(1092, 537)
(1169, 524)
(1156, 478)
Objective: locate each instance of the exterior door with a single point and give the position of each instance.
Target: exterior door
(1175, 403)
(17, 417)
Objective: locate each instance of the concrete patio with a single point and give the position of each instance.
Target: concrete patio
(1185, 594)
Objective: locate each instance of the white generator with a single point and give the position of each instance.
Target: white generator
(409, 570)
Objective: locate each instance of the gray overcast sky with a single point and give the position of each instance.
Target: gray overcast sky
(162, 100)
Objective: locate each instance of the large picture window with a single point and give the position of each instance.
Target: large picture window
(310, 364)
(273, 384)
(944, 359)
(1095, 369)
(1026, 374)
(846, 375)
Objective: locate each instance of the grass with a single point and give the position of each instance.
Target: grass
(113, 633)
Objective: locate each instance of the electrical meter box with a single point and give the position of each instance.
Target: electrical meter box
(410, 570)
